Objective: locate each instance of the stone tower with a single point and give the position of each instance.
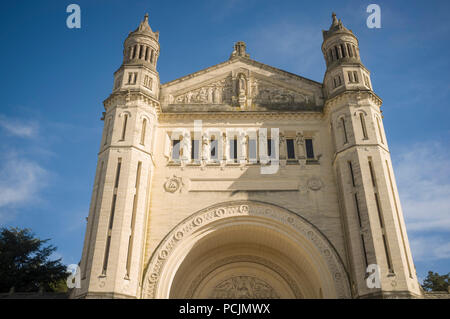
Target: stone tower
(372, 218)
(112, 257)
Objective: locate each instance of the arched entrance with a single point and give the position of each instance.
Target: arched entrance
(245, 249)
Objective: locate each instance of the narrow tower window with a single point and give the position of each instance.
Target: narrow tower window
(350, 76)
(363, 125)
(144, 126)
(135, 48)
(111, 217)
(350, 167)
(388, 256)
(146, 53)
(379, 130)
(350, 53)
(344, 130)
(372, 175)
(364, 250)
(358, 212)
(124, 128)
(133, 219)
(107, 131)
(343, 51)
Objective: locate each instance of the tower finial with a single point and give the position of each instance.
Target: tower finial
(335, 21)
(240, 50)
(146, 17)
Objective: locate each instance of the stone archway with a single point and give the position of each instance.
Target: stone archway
(245, 249)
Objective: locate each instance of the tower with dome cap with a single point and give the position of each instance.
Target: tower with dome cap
(373, 221)
(111, 263)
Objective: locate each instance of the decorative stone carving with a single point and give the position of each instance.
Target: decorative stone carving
(299, 139)
(243, 287)
(244, 208)
(173, 184)
(206, 148)
(314, 183)
(213, 93)
(265, 93)
(239, 90)
(244, 258)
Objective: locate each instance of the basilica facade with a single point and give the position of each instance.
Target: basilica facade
(245, 181)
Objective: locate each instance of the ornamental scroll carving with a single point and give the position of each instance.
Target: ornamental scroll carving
(219, 92)
(243, 287)
(240, 90)
(265, 93)
(203, 218)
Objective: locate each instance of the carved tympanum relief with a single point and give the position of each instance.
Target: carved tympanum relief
(243, 287)
(239, 89)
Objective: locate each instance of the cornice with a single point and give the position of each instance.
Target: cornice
(243, 115)
(356, 95)
(244, 60)
(131, 96)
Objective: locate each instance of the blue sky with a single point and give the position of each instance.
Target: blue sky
(54, 80)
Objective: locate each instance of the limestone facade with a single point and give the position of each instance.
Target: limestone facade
(244, 181)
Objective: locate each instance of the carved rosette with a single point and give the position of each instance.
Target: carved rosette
(173, 184)
(244, 208)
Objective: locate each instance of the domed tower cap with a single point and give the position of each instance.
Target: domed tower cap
(336, 27)
(144, 29)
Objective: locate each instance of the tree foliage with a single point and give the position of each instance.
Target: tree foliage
(436, 282)
(25, 263)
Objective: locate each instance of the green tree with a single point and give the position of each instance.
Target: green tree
(436, 282)
(25, 263)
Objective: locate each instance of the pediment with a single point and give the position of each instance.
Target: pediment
(241, 85)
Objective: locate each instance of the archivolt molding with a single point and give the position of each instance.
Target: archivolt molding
(197, 221)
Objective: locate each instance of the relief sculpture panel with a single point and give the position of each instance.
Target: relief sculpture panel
(243, 287)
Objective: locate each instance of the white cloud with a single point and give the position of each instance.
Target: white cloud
(19, 128)
(20, 183)
(423, 177)
(426, 248)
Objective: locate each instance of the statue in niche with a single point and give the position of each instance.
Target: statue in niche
(188, 97)
(282, 139)
(217, 95)
(210, 94)
(299, 139)
(202, 96)
(242, 85)
(206, 148)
